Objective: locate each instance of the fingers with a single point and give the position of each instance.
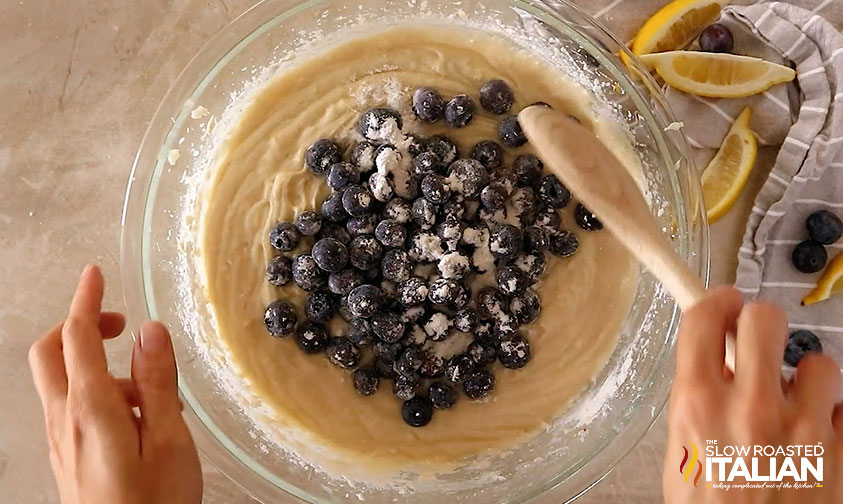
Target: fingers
(47, 364)
(127, 388)
(702, 335)
(81, 338)
(816, 385)
(111, 324)
(761, 337)
(154, 376)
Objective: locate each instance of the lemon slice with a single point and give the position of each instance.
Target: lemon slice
(717, 75)
(726, 174)
(676, 25)
(829, 284)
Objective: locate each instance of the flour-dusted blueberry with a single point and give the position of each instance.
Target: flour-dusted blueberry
(279, 271)
(492, 218)
(484, 332)
(459, 111)
(450, 231)
(332, 208)
(284, 236)
(387, 351)
(321, 155)
(381, 187)
(479, 383)
(428, 104)
(412, 292)
(525, 307)
(493, 196)
(438, 326)
(308, 223)
(384, 368)
(390, 233)
(365, 380)
(312, 337)
(454, 265)
(824, 227)
(359, 332)
(362, 225)
(387, 326)
(442, 395)
(341, 175)
(363, 156)
(524, 204)
(549, 219)
(379, 124)
(432, 366)
(435, 188)
(455, 206)
(442, 291)
(424, 213)
(800, 343)
(334, 230)
(443, 147)
(468, 177)
(491, 303)
(465, 320)
(510, 132)
(809, 256)
(365, 252)
(481, 354)
(357, 200)
(528, 169)
(506, 242)
(514, 353)
(563, 243)
(536, 238)
(505, 178)
(396, 265)
(496, 96)
(365, 300)
(399, 210)
(512, 281)
(462, 298)
(532, 264)
(306, 273)
(320, 306)
(404, 387)
(330, 254)
(343, 309)
(425, 247)
(586, 220)
(410, 361)
(425, 163)
(553, 193)
(414, 144)
(343, 353)
(280, 318)
(489, 153)
(342, 282)
(504, 326)
(458, 368)
(417, 412)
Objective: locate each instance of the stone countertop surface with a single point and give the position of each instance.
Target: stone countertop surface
(80, 83)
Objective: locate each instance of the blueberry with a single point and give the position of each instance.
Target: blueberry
(330, 254)
(362, 225)
(481, 354)
(365, 381)
(510, 133)
(479, 383)
(533, 264)
(387, 326)
(333, 230)
(428, 104)
(716, 38)
(454, 265)
(425, 247)
(308, 223)
(410, 361)
(524, 203)
(492, 218)
(279, 271)
(458, 368)
(553, 193)
(381, 187)
(404, 387)
(526, 307)
(798, 344)
(284, 236)
(465, 320)
(417, 412)
(442, 395)
(493, 196)
(414, 144)
(504, 327)
(312, 337)
(306, 273)
(586, 220)
(512, 281)
(384, 368)
(438, 326)
(363, 156)
(341, 175)
(442, 291)
(332, 208)
(462, 298)
(468, 177)
(390, 233)
(396, 265)
(505, 178)
(359, 332)
(424, 213)
(320, 307)
(427, 162)
(398, 210)
(365, 300)
(528, 168)
(514, 353)
(343, 353)
(321, 155)
(435, 188)
(379, 124)
(809, 256)
(432, 365)
(824, 227)
(491, 303)
(496, 96)
(459, 111)
(489, 153)
(357, 200)
(549, 219)
(450, 231)
(412, 292)
(388, 352)
(444, 148)
(536, 239)
(484, 333)
(365, 252)
(455, 207)
(506, 242)
(563, 243)
(342, 282)
(280, 318)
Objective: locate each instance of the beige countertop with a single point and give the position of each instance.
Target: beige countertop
(79, 82)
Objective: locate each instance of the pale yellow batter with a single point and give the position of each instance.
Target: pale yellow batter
(260, 178)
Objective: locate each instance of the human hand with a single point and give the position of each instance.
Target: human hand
(753, 406)
(100, 451)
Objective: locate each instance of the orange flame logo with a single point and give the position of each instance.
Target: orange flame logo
(686, 467)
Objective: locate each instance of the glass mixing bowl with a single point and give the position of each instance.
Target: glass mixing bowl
(161, 282)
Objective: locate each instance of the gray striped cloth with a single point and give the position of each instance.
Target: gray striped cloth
(806, 118)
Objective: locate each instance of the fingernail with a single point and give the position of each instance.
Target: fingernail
(153, 338)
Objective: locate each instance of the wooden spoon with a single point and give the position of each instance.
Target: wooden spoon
(603, 185)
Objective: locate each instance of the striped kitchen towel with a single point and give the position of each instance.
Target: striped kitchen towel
(806, 117)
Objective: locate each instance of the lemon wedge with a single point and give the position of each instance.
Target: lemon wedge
(829, 284)
(717, 75)
(725, 176)
(676, 25)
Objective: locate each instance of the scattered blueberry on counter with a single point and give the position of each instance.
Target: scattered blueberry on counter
(824, 228)
(800, 343)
